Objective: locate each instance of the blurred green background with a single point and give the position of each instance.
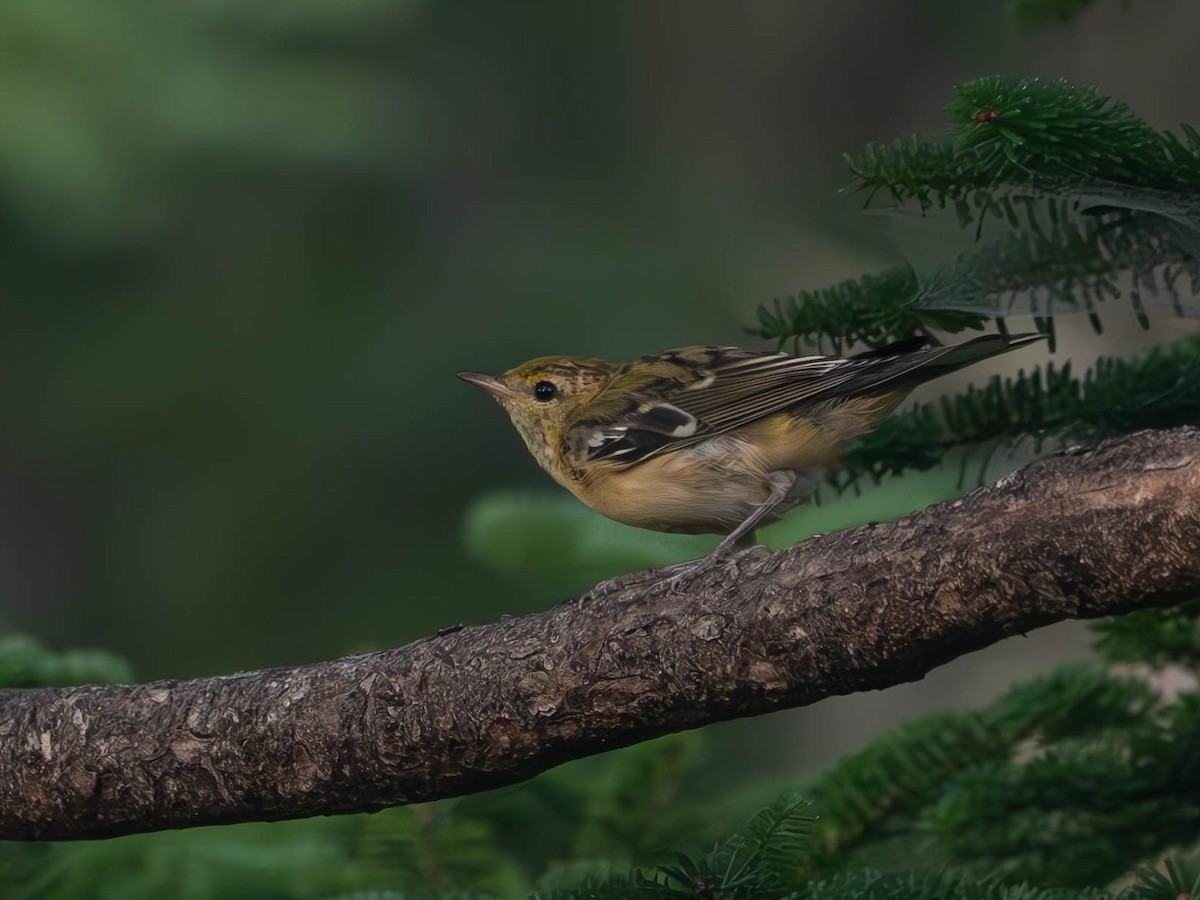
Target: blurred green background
(246, 246)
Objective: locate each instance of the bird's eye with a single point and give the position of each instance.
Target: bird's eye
(544, 390)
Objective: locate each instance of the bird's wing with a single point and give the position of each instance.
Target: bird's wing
(681, 397)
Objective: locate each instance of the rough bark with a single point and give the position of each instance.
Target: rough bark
(1083, 534)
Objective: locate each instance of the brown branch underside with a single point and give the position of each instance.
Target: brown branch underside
(1079, 535)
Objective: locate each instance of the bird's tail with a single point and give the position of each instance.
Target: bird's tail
(907, 363)
(941, 360)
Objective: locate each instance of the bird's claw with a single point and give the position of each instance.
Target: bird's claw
(677, 575)
(729, 560)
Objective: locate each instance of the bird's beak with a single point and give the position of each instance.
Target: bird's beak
(493, 384)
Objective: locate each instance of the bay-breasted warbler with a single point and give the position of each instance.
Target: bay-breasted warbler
(711, 439)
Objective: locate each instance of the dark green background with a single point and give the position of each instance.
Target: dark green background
(244, 248)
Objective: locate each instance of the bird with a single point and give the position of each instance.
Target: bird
(712, 439)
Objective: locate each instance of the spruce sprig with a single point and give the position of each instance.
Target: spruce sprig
(1053, 137)
(1049, 258)
(1101, 807)
(1060, 196)
(894, 773)
(873, 310)
(1160, 389)
(1169, 636)
(1029, 129)
(1116, 197)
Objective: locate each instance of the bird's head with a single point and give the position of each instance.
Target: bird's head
(543, 395)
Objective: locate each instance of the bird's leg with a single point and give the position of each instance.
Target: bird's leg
(744, 533)
(675, 573)
(738, 543)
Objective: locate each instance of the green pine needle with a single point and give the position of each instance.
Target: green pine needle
(1169, 636)
(1160, 389)
(1061, 198)
(622, 886)
(869, 884)
(1179, 878)
(1021, 129)
(1053, 136)
(1071, 701)
(895, 772)
(873, 310)
(777, 839)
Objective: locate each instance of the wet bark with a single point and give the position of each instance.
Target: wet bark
(1079, 535)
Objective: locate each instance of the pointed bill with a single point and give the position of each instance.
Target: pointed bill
(493, 384)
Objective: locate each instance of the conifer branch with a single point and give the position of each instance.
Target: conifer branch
(1079, 535)
(1051, 136)
(873, 310)
(1043, 197)
(1058, 190)
(1160, 389)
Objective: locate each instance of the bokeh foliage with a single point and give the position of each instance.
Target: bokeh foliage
(198, 376)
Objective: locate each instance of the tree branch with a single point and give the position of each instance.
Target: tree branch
(1079, 535)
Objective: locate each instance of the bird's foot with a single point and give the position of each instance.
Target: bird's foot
(620, 582)
(677, 574)
(682, 573)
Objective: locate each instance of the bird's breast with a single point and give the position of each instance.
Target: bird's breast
(680, 492)
(715, 484)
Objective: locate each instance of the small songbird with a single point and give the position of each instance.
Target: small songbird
(711, 439)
